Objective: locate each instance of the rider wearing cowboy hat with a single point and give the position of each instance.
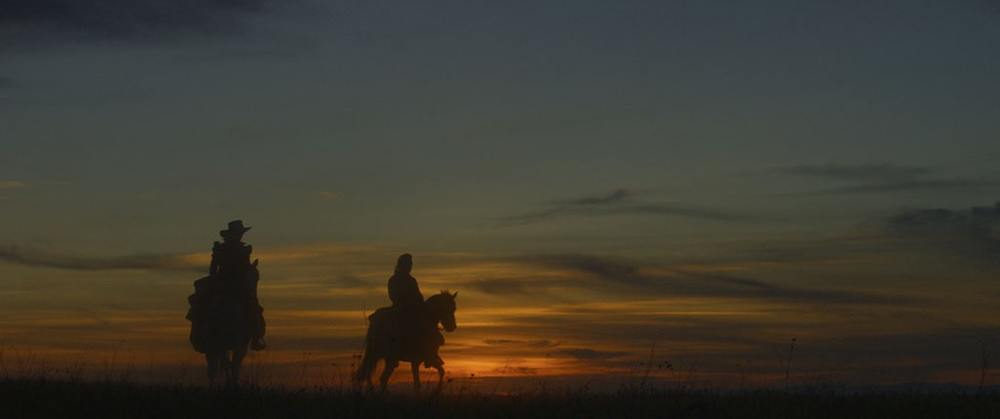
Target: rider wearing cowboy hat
(231, 264)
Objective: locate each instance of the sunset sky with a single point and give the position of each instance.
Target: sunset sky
(706, 180)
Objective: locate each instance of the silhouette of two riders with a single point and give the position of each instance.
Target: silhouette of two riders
(229, 276)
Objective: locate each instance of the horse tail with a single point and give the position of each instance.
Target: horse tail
(368, 359)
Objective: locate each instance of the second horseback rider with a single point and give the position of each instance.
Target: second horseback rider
(410, 310)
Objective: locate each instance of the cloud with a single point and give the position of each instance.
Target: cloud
(515, 286)
(603, 268)
(974, 231)
(534, 343)
(587, 354)
(121, 19)
(880, 178)
(616, 275)
(866, 172)
(12, 184)
(617, 202)
(912, 185)
(351, 281)
(613, 197)
(44, 259)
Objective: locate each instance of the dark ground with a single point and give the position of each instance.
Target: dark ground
(32, 398)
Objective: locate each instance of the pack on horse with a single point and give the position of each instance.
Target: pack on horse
(408, 330)
(226, 317)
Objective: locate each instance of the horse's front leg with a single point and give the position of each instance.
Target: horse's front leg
(415, 368)
(226, 365)
(371, 385)
(390, 365)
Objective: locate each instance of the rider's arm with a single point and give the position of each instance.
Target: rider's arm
(213, 267)
(417, 296)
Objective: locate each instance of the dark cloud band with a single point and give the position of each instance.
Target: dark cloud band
(44, 259)
(50, 20)
(616, 203)
(881, 178)
(599, 273)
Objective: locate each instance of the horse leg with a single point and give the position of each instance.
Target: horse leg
(223, 365)
(440, 369)
(390, 365)
(363, 376)
(234, 366)
(369, 385)
(415, 368)
(212, 361)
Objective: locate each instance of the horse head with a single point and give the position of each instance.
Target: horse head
(443, 308)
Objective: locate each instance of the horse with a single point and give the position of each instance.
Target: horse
(383, 341)
(225, 330)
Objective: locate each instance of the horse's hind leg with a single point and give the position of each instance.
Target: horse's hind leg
(236, 364)
(363, 376)
(387, 372)
(226, 366)
(415, 368)
(212, 361)
(440, 369)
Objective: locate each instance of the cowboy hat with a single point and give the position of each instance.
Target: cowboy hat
(235, 227)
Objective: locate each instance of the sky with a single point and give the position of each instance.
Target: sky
(608, 185)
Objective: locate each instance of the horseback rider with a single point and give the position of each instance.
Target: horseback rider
(230, 267)
(408, 304)
(403, 289)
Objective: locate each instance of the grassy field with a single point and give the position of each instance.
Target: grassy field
(39, 398)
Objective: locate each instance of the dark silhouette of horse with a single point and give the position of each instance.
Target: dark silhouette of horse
(224, 331)
(385, 341)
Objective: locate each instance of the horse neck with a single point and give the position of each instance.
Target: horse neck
(434, 312)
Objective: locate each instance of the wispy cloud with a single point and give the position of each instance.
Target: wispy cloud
(881, 178)
(46, 259)
(12, 184)
(515, 286)
(617, 202)
(865, 172)
(588, 354)
(911, 185)
(534, 343)
(596, 272)
(33, 21)
(974, 231)
(612, 197)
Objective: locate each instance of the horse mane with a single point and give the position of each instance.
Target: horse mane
(443, 297)
(438, 296)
